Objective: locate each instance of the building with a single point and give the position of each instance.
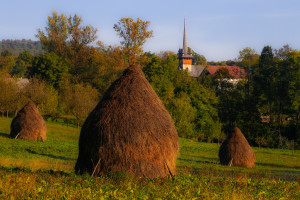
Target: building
(235, 72)
(186, 58)
(185, 63)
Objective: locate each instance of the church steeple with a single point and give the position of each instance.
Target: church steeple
(185, 46)
(185, 59)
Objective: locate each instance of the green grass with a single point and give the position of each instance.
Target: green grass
(58, 152)
(35, 170)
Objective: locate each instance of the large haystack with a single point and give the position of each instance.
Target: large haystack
(129, 130)
(28, 124)
(236, 151)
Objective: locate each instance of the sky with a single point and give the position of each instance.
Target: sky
(217, 29)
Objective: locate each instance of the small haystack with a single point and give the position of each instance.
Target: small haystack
(28, 124)
(129, 130)
(236, 151)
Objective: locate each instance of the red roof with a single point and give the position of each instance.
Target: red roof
(234, 71)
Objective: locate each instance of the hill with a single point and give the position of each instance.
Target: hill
(18, 46)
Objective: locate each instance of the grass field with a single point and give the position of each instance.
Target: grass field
(45, 170)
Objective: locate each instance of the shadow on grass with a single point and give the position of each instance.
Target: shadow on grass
(4, 135)
(275, 165)
(198, 161)
(293, 154)
(48, 155)
(28, 170)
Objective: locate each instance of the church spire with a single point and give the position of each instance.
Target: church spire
(185, 46)
(185, 59)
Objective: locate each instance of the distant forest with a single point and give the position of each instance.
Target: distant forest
(18, 46)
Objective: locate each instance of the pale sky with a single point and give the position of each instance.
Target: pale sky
(217, 29)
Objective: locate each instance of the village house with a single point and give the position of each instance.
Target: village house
(185, 63)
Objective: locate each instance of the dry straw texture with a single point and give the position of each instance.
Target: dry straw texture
(236, 151)
(28, 124)
(129, 130)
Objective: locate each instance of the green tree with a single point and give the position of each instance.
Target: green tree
(134, 35)
(49, 67)
(248, 58)
(19, 69)
(197, 58)
(27, 57)
(24, 62)
(192, 107)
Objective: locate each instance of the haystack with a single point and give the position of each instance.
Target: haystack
(129, 130)
(236, 151)
(28, 124)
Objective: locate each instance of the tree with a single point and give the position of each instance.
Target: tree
(27, 57)
(37, 90)
(248, 58)
(107, 65)
(192, 107)
(24, 62)
(79, 100)
(19, 69)
(8, 97)
(50, 105)
(7, 63)
(134, 35)
(283, 53)
(67, 38)
(164, 54)
(197, 58)
(49, 67)
(6, 52)
(271, 82)
(54, 38)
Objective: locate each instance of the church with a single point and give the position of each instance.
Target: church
(186, 63)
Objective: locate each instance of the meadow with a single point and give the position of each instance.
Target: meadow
(45, 170)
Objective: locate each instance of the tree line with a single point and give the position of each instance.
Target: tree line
(266, 104)
(75, 70)
(15, 47)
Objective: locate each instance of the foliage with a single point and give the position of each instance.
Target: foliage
(24, 62)
(134, 35)
(18, 46)
(50, 67)
(271, 89)
(191, 106)
(7, 63)
(268, 90)
(67, 38)
(197, 58)
(37, 90)
(9, 93)
(107, 67)
(79, 100)
(248, 58)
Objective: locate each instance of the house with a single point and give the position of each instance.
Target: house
(185, 63)
(235, 73)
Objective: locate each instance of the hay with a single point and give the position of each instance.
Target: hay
(129, 130)
(28, 124)
(236, 151)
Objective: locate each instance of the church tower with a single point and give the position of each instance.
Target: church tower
(185, 59)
